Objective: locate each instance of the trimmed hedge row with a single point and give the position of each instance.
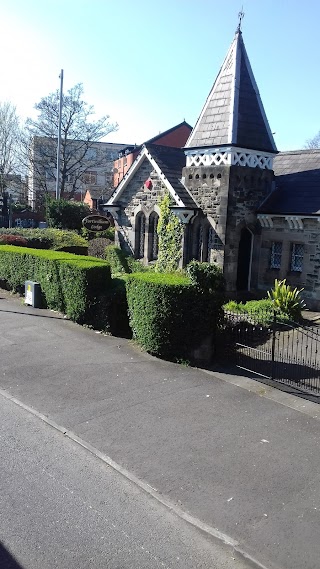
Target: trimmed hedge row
(69, 283)
(172, 318)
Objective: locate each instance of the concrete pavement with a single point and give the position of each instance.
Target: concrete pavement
(61, 508)
(240, 457)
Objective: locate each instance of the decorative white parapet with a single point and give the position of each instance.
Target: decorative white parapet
(230, 156)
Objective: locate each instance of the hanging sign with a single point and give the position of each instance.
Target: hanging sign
(96, 223)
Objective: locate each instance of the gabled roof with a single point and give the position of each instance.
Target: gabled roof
(169, 131)
(96, 193)
(168, 163)
(154, 139)
(233, 113)
(297, 184)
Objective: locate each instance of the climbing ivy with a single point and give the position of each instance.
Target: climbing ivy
(170, 232)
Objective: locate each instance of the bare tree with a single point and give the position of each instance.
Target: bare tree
(9, 143)
(78, 137)
(313, 142)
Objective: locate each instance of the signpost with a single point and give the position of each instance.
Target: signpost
(96, 223)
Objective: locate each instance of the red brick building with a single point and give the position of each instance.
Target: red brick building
(175, 137)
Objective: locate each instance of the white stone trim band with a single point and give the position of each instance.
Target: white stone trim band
(229, 157)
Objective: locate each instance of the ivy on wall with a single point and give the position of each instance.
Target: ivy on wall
(170, 232)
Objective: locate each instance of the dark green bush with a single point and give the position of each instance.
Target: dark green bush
(97, 247)
(65, 214)
(169, 316)
(206, 276)
(69, 283)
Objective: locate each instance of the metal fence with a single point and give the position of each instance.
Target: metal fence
(274, 348)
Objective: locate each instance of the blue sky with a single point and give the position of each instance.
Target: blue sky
(150, 64)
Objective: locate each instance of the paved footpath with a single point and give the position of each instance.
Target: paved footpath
(237, 458)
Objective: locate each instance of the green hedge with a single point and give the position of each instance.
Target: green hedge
(69, 283)
(55, 239)
(169, 316)
(109, 311)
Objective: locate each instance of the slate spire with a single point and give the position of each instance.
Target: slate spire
(233, 113)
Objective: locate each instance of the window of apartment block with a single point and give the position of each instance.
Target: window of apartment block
(297, 257)
(276, 254)
(50, 173)
(89, 177)
(91, 154)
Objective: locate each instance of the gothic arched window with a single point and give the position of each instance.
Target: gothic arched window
(199, 242)
(153, 236)
(140, 234)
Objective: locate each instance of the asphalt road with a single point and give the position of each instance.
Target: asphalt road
(61, 507)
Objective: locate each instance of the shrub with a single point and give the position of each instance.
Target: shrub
(117, 260)
(69, 283)
(206, 276)
(169, 316)
(49, 238)
(16, 240)
(97, 247)
(233, 306)
(136, 266)
(107, 234)
(286, 299)
(65, 214)
(250, 307)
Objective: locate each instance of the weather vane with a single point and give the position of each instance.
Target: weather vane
(240, 16)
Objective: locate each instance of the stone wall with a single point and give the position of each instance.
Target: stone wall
(309, 277)
(137, 196)
(229, 196)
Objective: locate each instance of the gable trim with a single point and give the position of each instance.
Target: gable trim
(144, 154)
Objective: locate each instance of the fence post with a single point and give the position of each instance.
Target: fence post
(273, 345)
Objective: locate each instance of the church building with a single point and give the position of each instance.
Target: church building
(245, 206)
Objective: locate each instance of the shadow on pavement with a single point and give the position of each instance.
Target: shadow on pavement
(58, 317)
(6, 559)
(291, 387)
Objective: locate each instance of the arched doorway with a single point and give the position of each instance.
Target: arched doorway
(244, 260)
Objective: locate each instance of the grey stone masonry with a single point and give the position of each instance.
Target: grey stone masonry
(309, 277)
(229, 197)
(136, 195)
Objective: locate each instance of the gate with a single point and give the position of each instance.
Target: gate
(274, 348)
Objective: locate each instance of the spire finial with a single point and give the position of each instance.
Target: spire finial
(240, 16)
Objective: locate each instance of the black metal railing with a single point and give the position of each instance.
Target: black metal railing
(273, 347)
